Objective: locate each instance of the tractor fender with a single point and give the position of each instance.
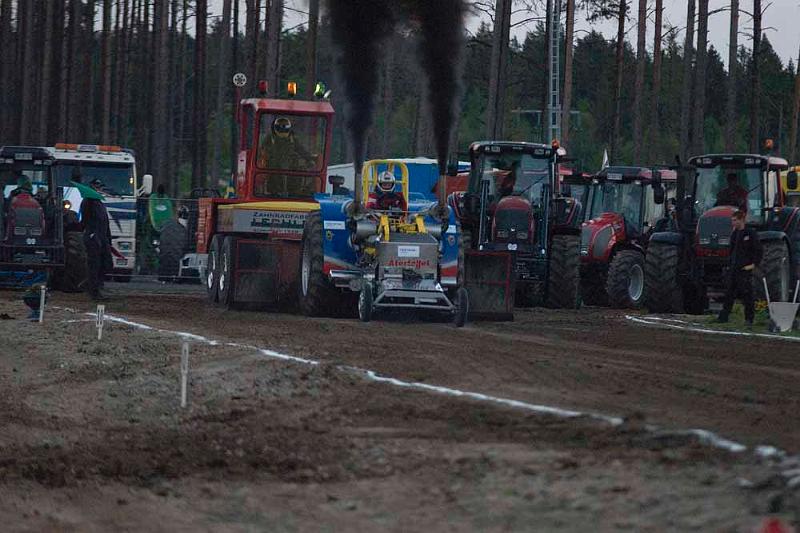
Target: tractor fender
(336, 243)
(771, 235)
(669, 237)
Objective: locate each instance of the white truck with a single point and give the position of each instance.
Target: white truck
(115, 167)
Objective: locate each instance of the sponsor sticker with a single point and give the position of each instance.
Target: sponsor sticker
(408, 251)
(410, 263)
(334, 224)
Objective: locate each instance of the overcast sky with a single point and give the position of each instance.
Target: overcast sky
(781, 23)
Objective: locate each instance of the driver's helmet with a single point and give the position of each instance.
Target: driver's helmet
(282, 127)
(24, 182)
(386, 182)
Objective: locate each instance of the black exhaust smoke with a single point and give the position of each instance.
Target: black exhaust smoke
(359, 28)
(441, 43)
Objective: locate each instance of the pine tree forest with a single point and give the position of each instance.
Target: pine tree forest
(155, 76)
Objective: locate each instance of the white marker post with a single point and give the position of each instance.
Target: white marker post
(101, 317)
(184, 372)
(42, 298)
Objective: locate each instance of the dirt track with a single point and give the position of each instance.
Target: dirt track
(92, 437)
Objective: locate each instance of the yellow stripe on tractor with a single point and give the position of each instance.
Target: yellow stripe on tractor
(303, 207)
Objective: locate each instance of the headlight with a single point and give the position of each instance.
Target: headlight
(502, 234)
(704, 240)
(523, 235)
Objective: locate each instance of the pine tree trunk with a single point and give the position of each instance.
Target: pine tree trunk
(638, 98)
(311, 48)
(795, 115)
(252, 31)
(47, 67)
(236, 94)
(755, 80)
(653, 132)
(7, 45)
(28, 114)
(73, 106)
(568, 60)
(105, 69)
(698, 133)
(495, 107)
(273, 57)
(731, 114)
(200, 123)
(223, 82)
(388, 97)
(686, 94)
(89, 71)
(161, 92)
(175, 94)
(620, 59)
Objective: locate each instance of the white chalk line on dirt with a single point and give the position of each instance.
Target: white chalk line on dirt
(664, 323)
(704, 436)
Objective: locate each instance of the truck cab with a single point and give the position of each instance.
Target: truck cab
(115, 168)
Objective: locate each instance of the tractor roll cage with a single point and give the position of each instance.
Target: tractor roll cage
(249, 116)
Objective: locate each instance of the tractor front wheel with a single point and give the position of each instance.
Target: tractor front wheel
(776, 268)
(76, 270)
(564, 280)
(365, 303)
(662, 290)
(225, 279)
(625, 284)
(317, 295)
(213, 269)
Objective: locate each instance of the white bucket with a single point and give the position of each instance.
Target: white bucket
(783, 314)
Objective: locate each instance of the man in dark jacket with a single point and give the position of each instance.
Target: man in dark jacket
(746, 254)
(97, 238)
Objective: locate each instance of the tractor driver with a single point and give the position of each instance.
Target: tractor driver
(734, 194)
(384, 197)
(24, 186)
(281, 150)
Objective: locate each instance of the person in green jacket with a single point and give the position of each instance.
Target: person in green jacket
(160, 209)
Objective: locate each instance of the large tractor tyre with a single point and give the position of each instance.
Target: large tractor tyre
(225, 281)
(172, 246)
(564, 281)
(625, 283)
(318, 296)
(212, 269)
(662, 289)
(593, 289)
(76, 268)
(776, 268)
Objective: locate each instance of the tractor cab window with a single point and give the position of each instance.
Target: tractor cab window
(514, 173)
(771, 187)
(116, 179)
(293, 143)
(793, 199)
(618, 197)
(733, 185)
(20, 178)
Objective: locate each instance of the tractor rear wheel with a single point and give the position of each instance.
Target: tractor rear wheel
(776, 268)
(593, 287)
(172, 245)
(662, 290)
(225, 279)
(317, 295)
(625, 283)
(76, 270)
(564, 280)
(212, 269)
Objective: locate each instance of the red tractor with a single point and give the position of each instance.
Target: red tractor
(687, 262)
(514, 205)
(624, 206)
(254, 241)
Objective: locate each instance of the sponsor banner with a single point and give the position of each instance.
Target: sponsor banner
(281, 224)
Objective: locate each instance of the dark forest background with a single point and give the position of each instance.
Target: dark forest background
(155, 76)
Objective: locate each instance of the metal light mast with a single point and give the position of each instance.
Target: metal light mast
(554, 100)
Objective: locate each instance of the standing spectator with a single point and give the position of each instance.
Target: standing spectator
(746, 253)
(97, 238)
